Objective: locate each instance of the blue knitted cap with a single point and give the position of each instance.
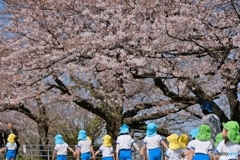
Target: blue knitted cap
(207, 106)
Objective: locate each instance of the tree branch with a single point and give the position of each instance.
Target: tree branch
(202, 97)
(90, 107)
(133, 112)
(19, 108)
(235, 9)
(193, 113)
(152, 116)
(62, 87)
(175, 97)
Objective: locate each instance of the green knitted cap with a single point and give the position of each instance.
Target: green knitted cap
(218, 139)
(204, 133)
(234, 137)
(233, 131)
(231, 126)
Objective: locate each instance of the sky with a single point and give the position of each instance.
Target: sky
(1, 4)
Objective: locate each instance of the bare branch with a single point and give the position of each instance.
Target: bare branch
(175, 97)
(157, 115)
(202, 97)
(90, 107)
(19, 108)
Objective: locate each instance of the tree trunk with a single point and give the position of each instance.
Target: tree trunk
(43, 132)
(234, 104)
(113, 124)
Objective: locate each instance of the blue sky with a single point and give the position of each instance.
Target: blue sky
(1, 4)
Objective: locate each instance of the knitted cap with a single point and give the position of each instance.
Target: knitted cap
(11, 138)
(82, 135)
(218, 139)
(207, 106)
(58, 139)
(107, 141)
(173, 140)
(204, 133)
(183, 140)
(231, 126)
(234, 137)
(151, 129)
(193, 133)
(124, 129)
(233, 131)
(89, 139)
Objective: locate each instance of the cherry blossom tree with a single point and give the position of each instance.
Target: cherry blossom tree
(36, 121)
(125, 61)
(68, 122)
(27, 128)
(40, 117)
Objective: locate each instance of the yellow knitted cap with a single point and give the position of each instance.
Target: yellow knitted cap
(89, 139)
(11, 138)
(183, 140)
(173, 140)
(107, 141)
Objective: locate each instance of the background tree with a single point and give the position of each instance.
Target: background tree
(125, 61)
(68, 122)
(41, 118)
